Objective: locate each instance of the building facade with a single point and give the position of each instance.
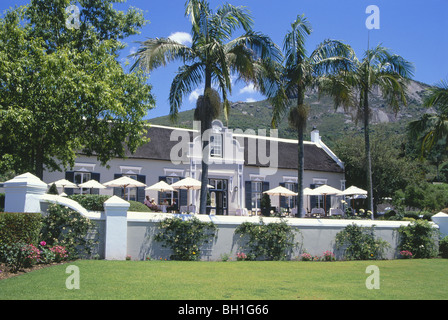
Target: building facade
(242, 165)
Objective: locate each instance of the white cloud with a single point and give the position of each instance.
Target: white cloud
(181, 37)
(250, 88)
(133, 50)
(250, 100)
(194, 95)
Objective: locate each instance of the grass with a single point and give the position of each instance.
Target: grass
(262, 280)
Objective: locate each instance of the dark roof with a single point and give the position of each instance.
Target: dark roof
(316, 159)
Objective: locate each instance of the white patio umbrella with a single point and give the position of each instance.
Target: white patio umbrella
(307, 192)
(124, 182)
(161, 186)
(325, 190)
(92, 184)
(188, 183)
(281, 191)
(64, 183)
(353, 191)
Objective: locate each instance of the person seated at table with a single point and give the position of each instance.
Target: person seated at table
(147, 202)
(173, 207)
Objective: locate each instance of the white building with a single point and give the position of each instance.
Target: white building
(242, 166)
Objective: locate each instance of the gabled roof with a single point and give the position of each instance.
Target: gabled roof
(316, 159)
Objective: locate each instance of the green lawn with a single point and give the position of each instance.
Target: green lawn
(285, 280)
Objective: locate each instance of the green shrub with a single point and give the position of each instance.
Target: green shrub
(69, 229)
(19, 255)
(272, 241)
(53, 190)
(185, 237)
(92, 202)
(19, 227)
(138, 207)
(443, 247)
(419, 238)
(95, 202)
(360, 243)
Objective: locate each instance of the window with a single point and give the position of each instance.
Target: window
(81, 177)
(216, 145)
(170, 195)
(291, 202)
(257, 187)
(131, 193)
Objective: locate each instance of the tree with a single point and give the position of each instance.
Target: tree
(382, 70)
(301, 72)
(211, 59)
(60, 96)
(432, 129)
(391, 169)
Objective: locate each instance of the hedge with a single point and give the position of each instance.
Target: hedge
(95, 202)
(19, 227)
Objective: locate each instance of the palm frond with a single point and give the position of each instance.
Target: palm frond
(294, 42)
(229, 18)
(187, 79)
(332, 56)
(438, 97)
(154, 53)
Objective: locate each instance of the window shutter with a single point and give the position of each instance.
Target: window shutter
(70, 176)
(313, 199)
(141, 190)
(248, 193)
(118, 191)
(183, 196)
(95, 176)
(283, 203)
(159, 194)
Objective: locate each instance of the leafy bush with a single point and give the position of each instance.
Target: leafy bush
(272, 241)
(92, 202)
(443, 247)
(69, 229)
(138, 207)
(19, 227)
(359, 243)
(18, 255)
(185, 237)
(95, 202)
(419, 238)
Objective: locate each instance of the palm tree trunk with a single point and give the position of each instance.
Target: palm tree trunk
(300, 169)
(367, 154)
(301, 123)
(204, 177)
(206, 123)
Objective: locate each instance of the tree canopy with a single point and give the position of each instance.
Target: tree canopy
(63, 91)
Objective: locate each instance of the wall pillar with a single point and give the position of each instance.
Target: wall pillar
(23, 193)
(441, 219)
(116, 210)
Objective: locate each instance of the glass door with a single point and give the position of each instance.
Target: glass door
(217, 201)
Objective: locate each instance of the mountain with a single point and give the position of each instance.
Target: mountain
(332, 123)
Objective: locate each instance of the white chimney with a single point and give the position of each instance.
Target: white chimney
(315, 137)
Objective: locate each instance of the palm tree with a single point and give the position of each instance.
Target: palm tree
(431, 129)
(211, 59)
(378, 70)
(299, 73)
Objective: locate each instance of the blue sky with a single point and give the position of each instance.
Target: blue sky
(416, 30)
